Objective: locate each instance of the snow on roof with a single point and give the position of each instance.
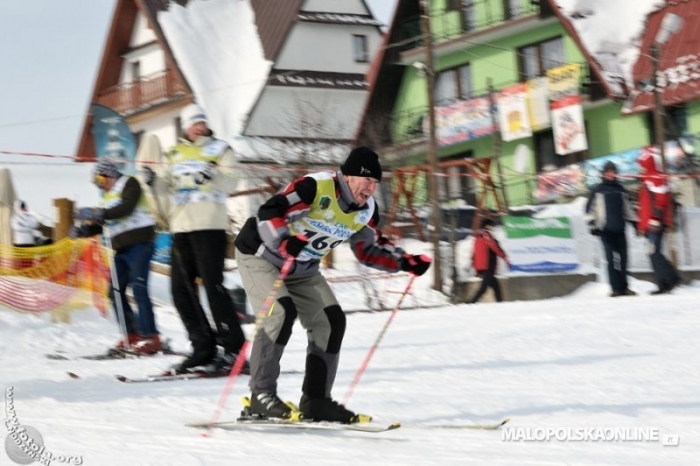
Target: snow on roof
(611, 31)
(218, 44)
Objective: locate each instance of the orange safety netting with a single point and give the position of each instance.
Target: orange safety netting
(68, 275)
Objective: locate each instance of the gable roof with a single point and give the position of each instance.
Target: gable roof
(274, 19)
(679, 59)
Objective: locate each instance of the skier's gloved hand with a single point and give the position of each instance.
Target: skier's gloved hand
(205, 174)
(90, 213)
(293, 245)
(148, 176)
(417, 264)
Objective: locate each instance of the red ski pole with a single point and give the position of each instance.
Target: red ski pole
(364, 364)
(243, 353)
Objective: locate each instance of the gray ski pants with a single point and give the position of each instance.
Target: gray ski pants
(309, 298)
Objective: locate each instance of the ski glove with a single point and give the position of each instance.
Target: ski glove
(415, 263)
(148, 176)
(205, 174)
(90, 213)
(293, 245)
(654, 226)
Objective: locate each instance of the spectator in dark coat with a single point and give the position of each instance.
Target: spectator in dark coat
(485, 259)
(608, 209)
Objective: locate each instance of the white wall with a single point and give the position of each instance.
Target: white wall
(151, 58)
(162, 126)
(281, 110)
(355, 7)
(326, 47)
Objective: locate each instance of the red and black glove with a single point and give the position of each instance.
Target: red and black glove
(293, 245)
(415, 264)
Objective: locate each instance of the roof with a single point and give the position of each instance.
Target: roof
(679, 59)
(274, 19)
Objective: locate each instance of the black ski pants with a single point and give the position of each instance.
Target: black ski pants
(488, 279)
(201, 254)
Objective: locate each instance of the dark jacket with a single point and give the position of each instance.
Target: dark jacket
(131, 196)
(609, 207)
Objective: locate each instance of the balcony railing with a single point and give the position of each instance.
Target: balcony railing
(476, 15)
(148, 91)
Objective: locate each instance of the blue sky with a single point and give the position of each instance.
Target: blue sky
(48, 70)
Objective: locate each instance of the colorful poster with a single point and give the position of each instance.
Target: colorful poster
(538, 103)
(538, 245)
(513, 114)
(567, 125)
(113, 138)
(462, 121)
(568, 181)
(563, 81)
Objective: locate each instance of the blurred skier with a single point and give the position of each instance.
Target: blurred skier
(25, 228)
(310, 217)
(485, 256)
(131, 228)
(655, 216)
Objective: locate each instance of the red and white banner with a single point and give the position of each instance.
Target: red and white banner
(568, 126)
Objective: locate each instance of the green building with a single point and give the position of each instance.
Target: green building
(482, 47)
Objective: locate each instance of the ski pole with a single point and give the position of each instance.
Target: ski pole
(116, 290)
(364, 364)
(243, 353)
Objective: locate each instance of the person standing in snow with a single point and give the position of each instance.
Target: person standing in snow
(199, 179)
(25, 228)
(485, 256)
(124, 217)
(306, 220)
(609, 209)
(655, 216)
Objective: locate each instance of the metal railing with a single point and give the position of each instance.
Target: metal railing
(474, 16)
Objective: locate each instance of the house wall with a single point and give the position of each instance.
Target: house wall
(335, 6)
(151, 58)
(283, 111)
(326, 47)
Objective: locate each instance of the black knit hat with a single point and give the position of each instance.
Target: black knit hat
(609, 167)
(362, 161)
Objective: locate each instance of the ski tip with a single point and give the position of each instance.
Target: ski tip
(505, 421)
(394, 425)
(73, 375)
(122, 378)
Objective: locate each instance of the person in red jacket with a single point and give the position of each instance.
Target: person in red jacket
(485, 259)
(655, 216)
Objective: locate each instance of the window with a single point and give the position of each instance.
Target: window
(536, 59)
(135, 71)
(546, 157)
(468, 15)
(359, 46)
(513, 8)
(676, 123)
(453, 84)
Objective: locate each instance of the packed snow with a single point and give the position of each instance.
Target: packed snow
(577, 368)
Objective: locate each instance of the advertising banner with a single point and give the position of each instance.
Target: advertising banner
(462, 121)
(513, 113)
(568, 126)
(538, 103)
(563, 81)
(538, 245)
(113, 138)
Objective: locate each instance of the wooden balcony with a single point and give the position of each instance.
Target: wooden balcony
(150, 90)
